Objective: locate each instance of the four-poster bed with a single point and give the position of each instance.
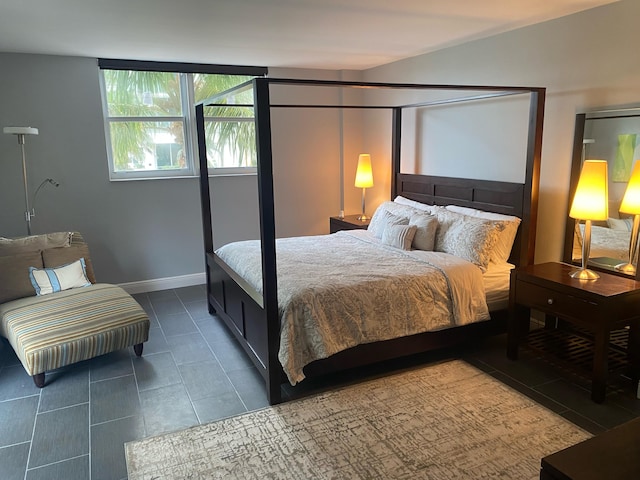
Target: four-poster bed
(254, 315)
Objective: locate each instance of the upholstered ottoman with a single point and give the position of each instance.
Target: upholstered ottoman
(51, 331)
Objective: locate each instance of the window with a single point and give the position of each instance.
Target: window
(150, 119)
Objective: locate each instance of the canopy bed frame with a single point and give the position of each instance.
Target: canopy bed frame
(253, 317)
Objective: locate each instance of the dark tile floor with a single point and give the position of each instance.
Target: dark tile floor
(192, 372)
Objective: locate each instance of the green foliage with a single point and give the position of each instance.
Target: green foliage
(147, 106)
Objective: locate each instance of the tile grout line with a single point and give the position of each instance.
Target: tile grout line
(33, 431)
(246, 409)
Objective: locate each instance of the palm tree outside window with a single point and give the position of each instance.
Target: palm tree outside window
(150, 127)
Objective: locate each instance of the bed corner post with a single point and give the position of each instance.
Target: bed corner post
(267, 235)
(396, 136)
(205, 198)
(532, 180)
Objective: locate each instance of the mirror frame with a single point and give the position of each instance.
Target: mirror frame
(576, 164)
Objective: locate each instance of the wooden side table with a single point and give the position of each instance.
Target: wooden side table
(349, 222)
(597, 306)
(614, 455)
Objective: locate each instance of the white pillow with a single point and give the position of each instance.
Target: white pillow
(506, 237)
(470, 238)
(425, 236)
(625, 224)
(417, 205)
(399, 236)
(381, 219)
(65, 277)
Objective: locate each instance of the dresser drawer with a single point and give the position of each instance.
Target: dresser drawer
(548, 300)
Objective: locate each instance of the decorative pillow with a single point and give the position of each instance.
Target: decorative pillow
(399, 236)
(14, 275)
(382, 218)
(504, 244)
(625, 224)
(470, 238)
(34, 243)
(425, 237)
(50, 280)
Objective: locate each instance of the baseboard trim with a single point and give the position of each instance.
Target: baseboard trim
(164, 283)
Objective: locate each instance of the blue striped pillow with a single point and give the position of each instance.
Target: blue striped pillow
(51, 280)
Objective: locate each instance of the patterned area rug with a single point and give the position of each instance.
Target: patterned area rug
(442, 421)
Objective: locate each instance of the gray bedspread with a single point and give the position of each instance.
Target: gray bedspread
(338, 291)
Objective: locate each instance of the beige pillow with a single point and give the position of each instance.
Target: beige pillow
(399, 236)
(624, 224)
(34, 243)
(54, 257)
(383, 218)
(470, 238)
(14, 275)
(427, 226)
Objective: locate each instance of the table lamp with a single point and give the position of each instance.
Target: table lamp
(590, 202)
(631, 204)
(364, 179)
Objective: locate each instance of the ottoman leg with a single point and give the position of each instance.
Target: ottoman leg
(38, 379)
(138, 349)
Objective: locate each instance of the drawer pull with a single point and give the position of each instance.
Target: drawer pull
(550, 301)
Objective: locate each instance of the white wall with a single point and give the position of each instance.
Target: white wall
(586, 60)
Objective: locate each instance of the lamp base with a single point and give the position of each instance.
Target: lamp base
(628, 268)
(584, 274)
(363, 218)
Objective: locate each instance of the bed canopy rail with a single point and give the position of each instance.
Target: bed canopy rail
(257, 325)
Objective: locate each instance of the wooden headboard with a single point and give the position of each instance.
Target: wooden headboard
(491, 196)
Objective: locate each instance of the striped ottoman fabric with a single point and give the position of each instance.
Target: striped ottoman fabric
(55, 330)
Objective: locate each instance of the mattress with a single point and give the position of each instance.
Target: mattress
(338, 291)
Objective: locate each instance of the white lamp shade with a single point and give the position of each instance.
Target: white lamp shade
(364, 174)
(631, 200)
(20, 130)
(591, 200)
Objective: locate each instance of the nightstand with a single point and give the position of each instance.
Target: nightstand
(349, 222)
(593, 307)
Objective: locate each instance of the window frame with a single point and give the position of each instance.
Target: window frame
(188, 120)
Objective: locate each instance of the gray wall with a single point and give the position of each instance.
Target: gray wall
(586, 60)
(150, 229)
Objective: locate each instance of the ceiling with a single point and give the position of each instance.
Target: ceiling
(333, 34)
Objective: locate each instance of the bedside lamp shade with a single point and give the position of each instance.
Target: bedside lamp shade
(364, 174)
(590, 202)
(364, 179)
(631, 204)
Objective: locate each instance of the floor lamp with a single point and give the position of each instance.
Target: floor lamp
(21, 132)
(631, 204)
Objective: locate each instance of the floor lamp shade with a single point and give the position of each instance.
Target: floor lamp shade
(631, 205)
(590, 202)
(364, 179)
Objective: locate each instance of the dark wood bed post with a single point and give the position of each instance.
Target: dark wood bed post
(268, 235)
(396, 136)
(532, 177)
(205, 198)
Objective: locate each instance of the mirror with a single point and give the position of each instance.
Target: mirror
(612, 135)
